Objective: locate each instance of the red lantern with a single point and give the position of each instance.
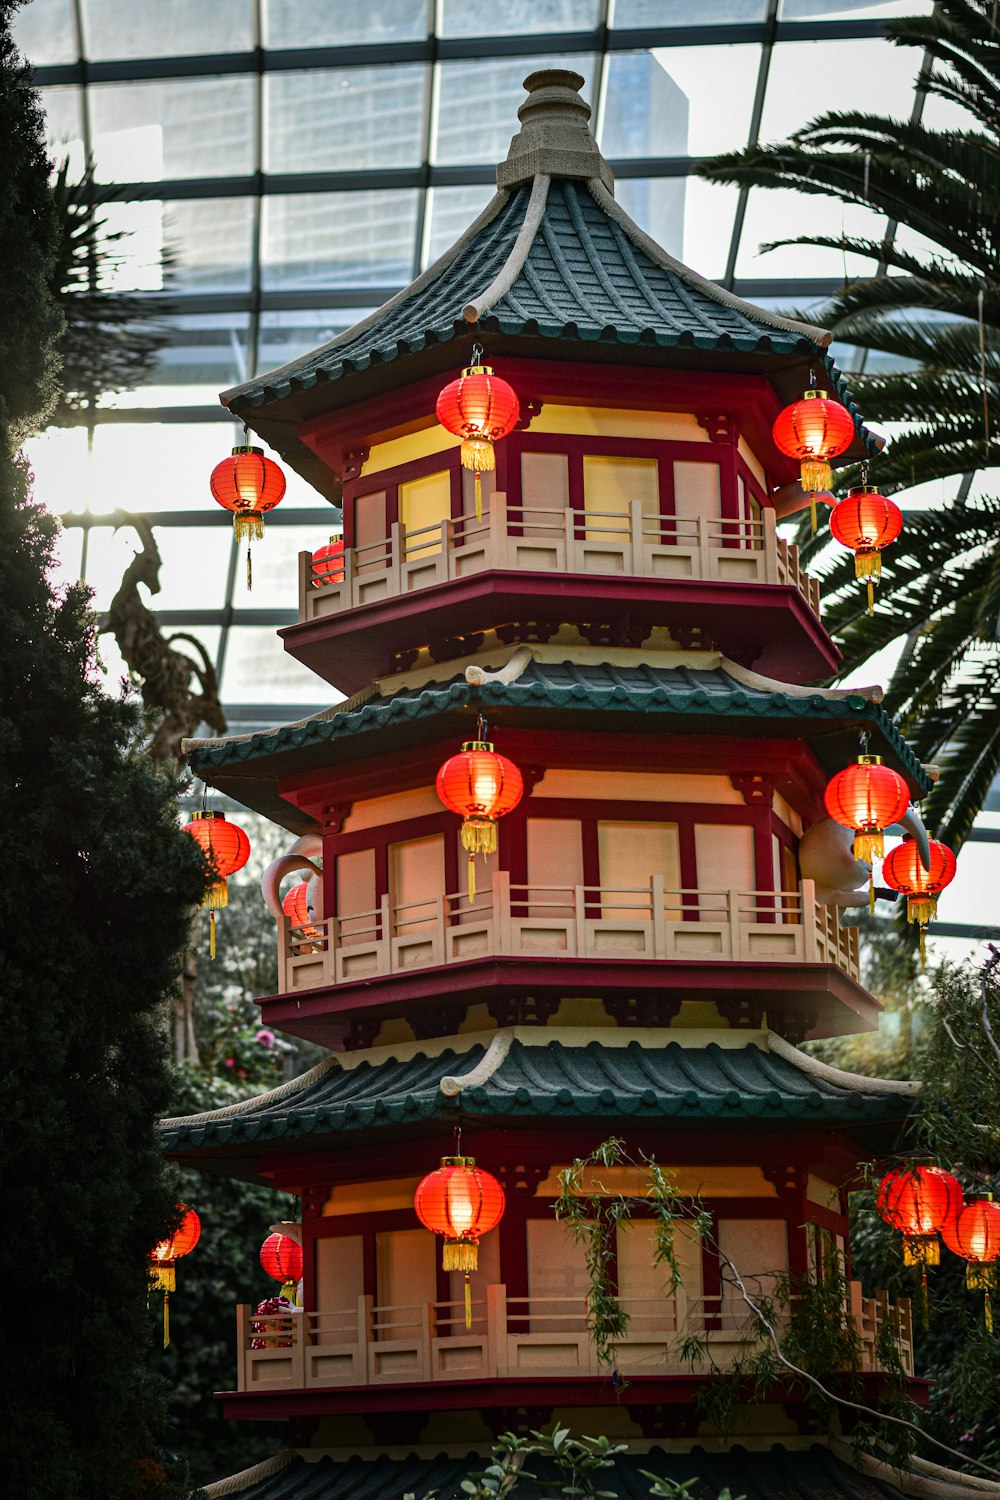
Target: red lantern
(226, 849)
(975, 1236)
(480, 408)
(281, 1257)
(296, 908)
(461, 1202)
(164, 1257)
(903, 872)
(866, 521)
(328, 563)
(249, 484)
(867, 797)
(919, 1201)
(814, 430)
(481, 786)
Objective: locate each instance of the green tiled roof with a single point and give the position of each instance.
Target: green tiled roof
(683, 699)
(696, 1085)
(583, 281)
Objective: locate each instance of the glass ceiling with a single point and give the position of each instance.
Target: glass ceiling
(301, 160)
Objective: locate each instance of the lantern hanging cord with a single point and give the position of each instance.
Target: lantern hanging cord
(864, 735)
(812, 378)
(482, 728)
(458, 1139)
(864, 472)
(477, 352)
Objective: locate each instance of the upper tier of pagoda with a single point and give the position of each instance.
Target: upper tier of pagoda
(634, 499)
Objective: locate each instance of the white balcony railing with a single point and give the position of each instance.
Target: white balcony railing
(652, 922)
(628, 544)
(510, 1337)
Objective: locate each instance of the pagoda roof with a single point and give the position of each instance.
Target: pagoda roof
(605, 1083)
(777, 1474)
(553, 267)
(643, 696)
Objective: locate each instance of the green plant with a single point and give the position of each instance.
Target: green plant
(595, 1214)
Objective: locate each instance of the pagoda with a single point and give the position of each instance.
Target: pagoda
(660, 927)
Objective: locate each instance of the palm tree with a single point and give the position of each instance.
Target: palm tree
(936, 313)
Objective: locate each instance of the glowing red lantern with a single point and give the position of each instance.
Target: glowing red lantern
(903, 872)
(866, 521)
(164, 1257)
(480, 408)
(867, 797)
(226, 849)
(921, 1202)
(281, 1257)
(249, 484)
(975, 1236)
(814, 430)
(461, 1202)
(481, 786)
(328, 563)
(296, 908)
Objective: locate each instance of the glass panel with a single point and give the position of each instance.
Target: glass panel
(631, 13)
(657, 206)
(478, 103)
(837, 75)
(123, 28)
(835, 10)
(286, 335)
(339, 239)
(511, 17)
(259, 671)
(112, 670)
(709, 213)
(64, 121)
(207, 353)
(190, 577)
(193, 127)
(348, 119)
(45, 33)
(276, 560)
(646, 111)
(781, 213)
(450, 211)
(317, 23)
(208, 240)
(719, 85)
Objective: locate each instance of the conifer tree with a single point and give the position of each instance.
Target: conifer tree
(93, 913)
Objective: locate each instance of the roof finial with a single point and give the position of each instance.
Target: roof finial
(555, 139)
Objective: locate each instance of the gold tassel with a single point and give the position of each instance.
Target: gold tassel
(478, 489)
(477, 455)
(166, 1320)
(249, 570)
(216, 897)
(988, 1313)
(211, 935)
(871, 598)
(924, 1307)
(468, 1302)
(479, 836)
(869, 844)
(923, 950)
(460, 1255)
(815, 474)
(871, 893)
(248, 526)
(812, 513)
(868, 566)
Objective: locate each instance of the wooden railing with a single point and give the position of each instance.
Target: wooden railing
(512, 1337)
(584, 922)
(628, 544)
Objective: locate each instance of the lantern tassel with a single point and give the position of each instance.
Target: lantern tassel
(923, 950)
(478, 489)
(472, 878)
(988, 1313)
(211, 935)
(166, 1320)
(249, 570)
(924, 1304)
(468, 1302)
(815, 475)
(460, 1255)
(812, 513)
(217, 896)
(869, 844)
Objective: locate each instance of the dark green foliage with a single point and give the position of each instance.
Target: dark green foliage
(111, 339)
(222, 1271)
(92, 928)
(938, 319)
(30, 323)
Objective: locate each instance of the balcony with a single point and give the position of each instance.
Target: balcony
(572, 940)
(649, 923)
(512, 1338)
(460, 575)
